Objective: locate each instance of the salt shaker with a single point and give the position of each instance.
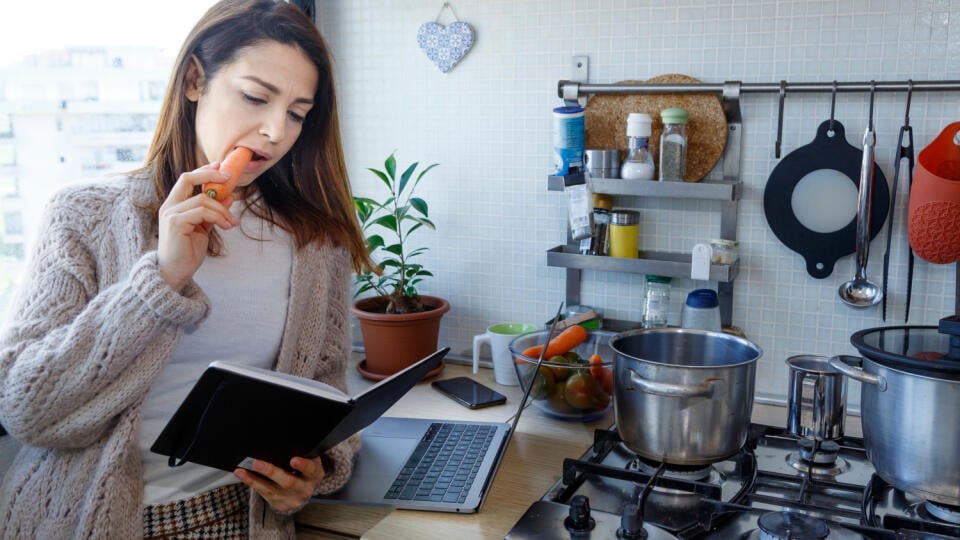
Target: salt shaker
(638, 165)
(673, 145)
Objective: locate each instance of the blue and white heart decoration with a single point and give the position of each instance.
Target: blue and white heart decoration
(445, 46)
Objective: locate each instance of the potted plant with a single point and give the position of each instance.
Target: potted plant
(398, 324)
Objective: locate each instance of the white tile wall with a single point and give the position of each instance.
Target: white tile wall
(488, 123)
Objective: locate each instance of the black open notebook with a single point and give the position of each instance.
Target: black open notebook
(236, 413)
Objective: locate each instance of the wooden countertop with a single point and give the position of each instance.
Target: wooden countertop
(533, 463)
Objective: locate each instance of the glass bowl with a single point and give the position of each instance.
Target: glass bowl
(568, 387)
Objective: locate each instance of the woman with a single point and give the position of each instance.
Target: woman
(137, 283)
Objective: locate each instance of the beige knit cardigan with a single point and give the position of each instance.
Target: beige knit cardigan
(92, 327)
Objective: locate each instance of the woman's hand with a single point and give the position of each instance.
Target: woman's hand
(185, 223)
(284, 491)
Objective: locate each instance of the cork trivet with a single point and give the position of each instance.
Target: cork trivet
(605, 122)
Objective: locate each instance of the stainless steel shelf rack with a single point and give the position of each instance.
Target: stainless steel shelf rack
(728, 190)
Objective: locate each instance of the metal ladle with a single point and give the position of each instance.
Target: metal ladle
(860, 292)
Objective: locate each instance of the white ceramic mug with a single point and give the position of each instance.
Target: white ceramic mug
(498, 338)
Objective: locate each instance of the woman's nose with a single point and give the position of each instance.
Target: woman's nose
(273, 126)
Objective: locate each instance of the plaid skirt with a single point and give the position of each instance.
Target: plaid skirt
(218, 513)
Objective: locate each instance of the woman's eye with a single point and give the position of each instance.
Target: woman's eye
(253, 99)
(296, 117)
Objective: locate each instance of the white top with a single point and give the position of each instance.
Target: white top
(249, 288)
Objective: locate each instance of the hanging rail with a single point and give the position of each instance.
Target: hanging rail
(570, 90)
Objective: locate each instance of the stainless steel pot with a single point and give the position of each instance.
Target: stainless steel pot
(911, 427)
(683, 396)
(816, 398)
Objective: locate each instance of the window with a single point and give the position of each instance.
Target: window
(12, 223)
(79, 98)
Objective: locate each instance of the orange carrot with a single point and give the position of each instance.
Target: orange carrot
(233, 164)
(561, 343)
(602, 374)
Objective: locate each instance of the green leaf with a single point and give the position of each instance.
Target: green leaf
(387, 221)
(383, 177)
(425, 171)
(391, 166)
(405, 177)
(420, 205)
(374, 241)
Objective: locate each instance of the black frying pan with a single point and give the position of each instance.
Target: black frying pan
(821, 250)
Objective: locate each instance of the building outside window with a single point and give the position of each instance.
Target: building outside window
(79, 99)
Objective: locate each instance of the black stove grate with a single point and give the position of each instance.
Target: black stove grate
(728, 502)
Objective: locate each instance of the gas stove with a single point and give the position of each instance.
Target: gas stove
(776, 487)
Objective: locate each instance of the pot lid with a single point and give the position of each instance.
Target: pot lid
(923, 350)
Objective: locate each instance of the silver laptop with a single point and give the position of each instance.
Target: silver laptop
(397, 468)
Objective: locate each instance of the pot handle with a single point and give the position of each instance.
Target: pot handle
(842, 363)
(704, 389)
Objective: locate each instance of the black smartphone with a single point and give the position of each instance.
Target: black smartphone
(469, 392)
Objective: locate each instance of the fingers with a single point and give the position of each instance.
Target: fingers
(183, 189)
(188, 211)
(282, 490)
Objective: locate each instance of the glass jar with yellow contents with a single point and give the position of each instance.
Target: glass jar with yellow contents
(624, 233)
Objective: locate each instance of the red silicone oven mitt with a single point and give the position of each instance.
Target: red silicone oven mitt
(933, 226)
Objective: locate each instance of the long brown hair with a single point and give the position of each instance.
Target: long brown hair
(307, 192)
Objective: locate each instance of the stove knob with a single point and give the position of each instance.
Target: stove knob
(631, 523)
(579, 519)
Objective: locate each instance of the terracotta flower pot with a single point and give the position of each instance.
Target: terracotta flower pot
(393, 342)
(934, 214)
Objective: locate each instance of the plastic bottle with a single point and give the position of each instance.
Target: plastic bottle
(702, 310)
(568, 139)
(638, 165)
(673, 145)
(656, 302)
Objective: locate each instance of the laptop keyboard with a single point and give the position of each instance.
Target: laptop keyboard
(443, 466)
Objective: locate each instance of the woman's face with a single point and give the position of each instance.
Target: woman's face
(258, 100)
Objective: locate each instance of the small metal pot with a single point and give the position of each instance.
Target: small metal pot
(816, 399)
(683, 396)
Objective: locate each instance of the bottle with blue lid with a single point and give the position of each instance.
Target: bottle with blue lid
(568, 139)
(702, 310)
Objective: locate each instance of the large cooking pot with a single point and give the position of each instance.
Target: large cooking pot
(683, 396)
(910, 408)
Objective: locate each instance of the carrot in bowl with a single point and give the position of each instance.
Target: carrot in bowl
(233, 164)
(563, 342)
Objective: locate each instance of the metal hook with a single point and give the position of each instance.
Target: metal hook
(833, 104)
(446, 5)
(783, 93)
(906, 114)
(873, 88)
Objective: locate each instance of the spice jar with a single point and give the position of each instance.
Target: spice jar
(624, 233)
(656, 302)
(724, 251)
(673, 145)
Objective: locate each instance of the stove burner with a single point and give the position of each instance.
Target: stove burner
(791, 526)
(826, 453)
(818, 458)
(677, 472)
(943, 512)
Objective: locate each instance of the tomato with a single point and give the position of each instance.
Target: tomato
(557, 401)
(544, 384)
(583, 392)
(560, 371)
